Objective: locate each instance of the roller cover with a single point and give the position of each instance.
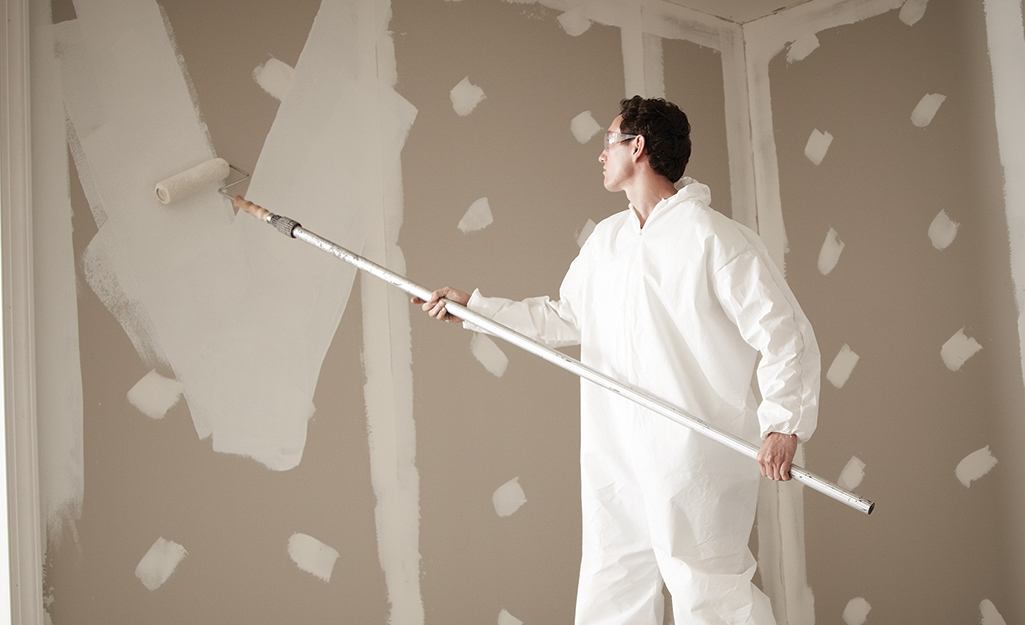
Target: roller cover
(191, 180)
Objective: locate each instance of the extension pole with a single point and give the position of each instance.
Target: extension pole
(292, 229)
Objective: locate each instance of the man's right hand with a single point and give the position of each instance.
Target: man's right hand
(435, 306)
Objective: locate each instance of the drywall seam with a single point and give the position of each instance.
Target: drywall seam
(1006, 41)
(738, 125)
(58, 364)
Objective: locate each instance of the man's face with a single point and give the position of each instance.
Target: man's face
(616, 158)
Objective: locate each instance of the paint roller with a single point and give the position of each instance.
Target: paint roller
(293, 229)
(194, 179)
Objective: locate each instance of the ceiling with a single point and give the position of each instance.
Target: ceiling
(740, 11)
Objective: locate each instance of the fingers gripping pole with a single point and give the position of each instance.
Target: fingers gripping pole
(293, 229)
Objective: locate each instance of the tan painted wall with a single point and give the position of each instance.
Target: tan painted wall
(931, 552)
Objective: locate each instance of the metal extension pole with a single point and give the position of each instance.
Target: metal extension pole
(292, 229)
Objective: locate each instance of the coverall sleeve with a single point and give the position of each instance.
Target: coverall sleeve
(755, 295)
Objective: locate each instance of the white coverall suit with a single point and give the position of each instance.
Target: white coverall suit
(681, 309)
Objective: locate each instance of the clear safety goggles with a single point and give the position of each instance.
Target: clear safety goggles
(617, 137)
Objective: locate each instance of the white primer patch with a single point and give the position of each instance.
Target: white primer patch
(975, 465)
(912, 11)
(926, 109)
(585, 232)
(942, 230)
(990, 616)
(312, 556)
(842, 366)
(829, 255)
(802, 47)
(159, 563)
(154, 394)
(508, 498)
(856, 612)
(504, 618)
(274, 77)
(574, 22)
(477, 217)
(817, 146)
(958, 349)
(852, 474)
(465, 97)
(489, 354)
(584, 126)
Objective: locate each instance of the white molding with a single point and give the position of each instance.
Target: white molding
(25, 528)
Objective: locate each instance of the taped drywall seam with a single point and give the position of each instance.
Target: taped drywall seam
(58, 365)
(738, 125)
(387, 333)
(1004, 35)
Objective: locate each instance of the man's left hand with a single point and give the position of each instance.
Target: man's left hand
(776, 456)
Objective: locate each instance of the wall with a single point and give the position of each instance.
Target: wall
(236, 427)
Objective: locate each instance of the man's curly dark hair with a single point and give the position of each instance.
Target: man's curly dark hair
(666, 133)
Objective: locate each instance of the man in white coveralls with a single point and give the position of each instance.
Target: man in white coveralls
(676, 299)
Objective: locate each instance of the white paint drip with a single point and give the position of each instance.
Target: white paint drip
(975, 465)
(926, 109)
(585, 232)
(508, 498)
(958, 349)
(489, 354)
(856, 612)
(574, 22)
(465, 97)
(504, 618)
(912, 11)
(818, 144)
(852, 473)
(312, 556)
(829, 255)
(990, 616)
(159, 563)
(274, 77)
(842, 366)
(802, 47)
(942, 231)
(477, 217)
(154, 394)
(584, 127)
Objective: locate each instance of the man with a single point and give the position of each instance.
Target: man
(676, 299)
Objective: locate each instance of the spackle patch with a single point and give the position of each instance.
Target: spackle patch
(802, 47)
(508, 498)
(842, 366)
(856, 611)
(159, 562)
(817, 146)
(585, 232)
(274, 77)
(958, 349)
(990, 616)
(942, 231)
(477, 217)
(852, 474)
(504, 618)
(584, 127)
(466, 97)
(912, 11)
(489, 354)
(975, 465)
(574, 22)
(154, 394)
(829, 255)
(312, 556)
(926, 109)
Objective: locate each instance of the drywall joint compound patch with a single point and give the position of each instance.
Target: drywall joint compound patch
(159, 563)
(477, 217)
(958, 349)
(975, 465)
(274, 77)
(312, 556)
(489, 354)
(842, 366)
(465, 97)
(856, 612)
(829, 255)
(942, 230)
(852, 473)
(508, 498)
(154, 394)
(926, 109)
(817, 146)
(584, 126)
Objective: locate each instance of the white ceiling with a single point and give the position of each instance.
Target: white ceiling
(740, 11)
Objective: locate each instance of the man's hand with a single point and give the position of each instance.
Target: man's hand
(776, 456)
(435, 307)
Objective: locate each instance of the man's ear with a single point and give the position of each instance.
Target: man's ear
(638, 148)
